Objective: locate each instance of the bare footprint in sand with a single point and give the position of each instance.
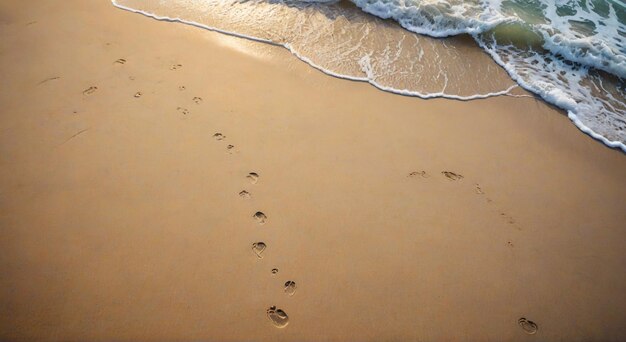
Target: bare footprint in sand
(529, 327)
(278, 317)
(121, 61)
(508, 218)
(452, 176)
(138, 94)
(90, 90)
(422, 174)
(244, 194)
(260, 217)
(182, 110)
(219, 136)
(290, 288)
(197, 100)
(258, 248)
(479, 190)
(176, 66)
(253, 177)
(274, 270)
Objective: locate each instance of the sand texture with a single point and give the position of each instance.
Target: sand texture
(160, 182)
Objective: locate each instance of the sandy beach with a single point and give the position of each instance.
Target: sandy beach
(160, 182)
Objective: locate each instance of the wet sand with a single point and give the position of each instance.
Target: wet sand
(124, 217)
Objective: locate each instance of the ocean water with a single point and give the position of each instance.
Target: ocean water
(571, 53)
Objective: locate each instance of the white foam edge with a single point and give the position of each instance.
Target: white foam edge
(571, 114)
(405, 92)
(611, 143)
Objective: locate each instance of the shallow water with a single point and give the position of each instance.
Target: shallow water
(569, 52)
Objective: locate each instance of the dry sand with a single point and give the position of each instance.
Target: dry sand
(121, 217)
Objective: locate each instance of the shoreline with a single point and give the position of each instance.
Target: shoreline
(403, 92)
(129, 211)
(549, 98)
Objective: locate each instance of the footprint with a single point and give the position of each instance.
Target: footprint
(510, 244)
(138, 94)
(120, 61)
(132, 78)
(219, 136)
(422, 174)
(181, 88)
(230, 148)
(197, 100)
(290, 288)
(49, 79)
(452, 176)
(260, 217)
(508, 218)
(176, 66)
(90, 90)
(184, 111)
(258, 248)
(253, 177)
(244, 194)
(278, 317)
(479, 190)
(529, 327)
(274, 270)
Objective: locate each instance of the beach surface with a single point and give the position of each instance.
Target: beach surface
(163, 182)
